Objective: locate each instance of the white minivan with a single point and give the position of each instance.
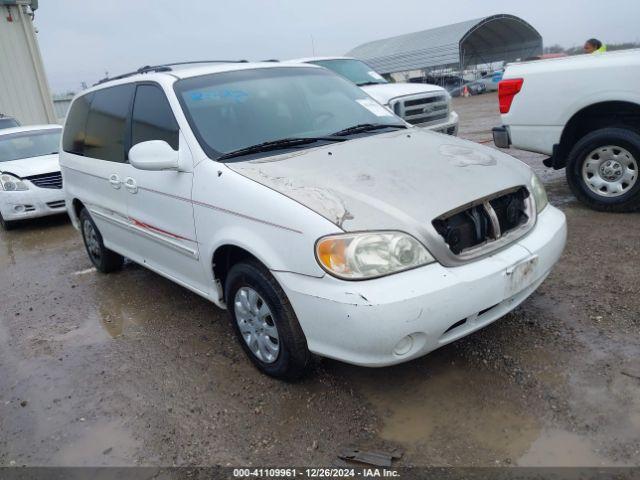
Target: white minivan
(324, 223)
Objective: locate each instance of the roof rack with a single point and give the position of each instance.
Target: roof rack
(165, 67)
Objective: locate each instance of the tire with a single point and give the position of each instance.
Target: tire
(6, 225)
(105, 260)
(603, 161)
(293, 357)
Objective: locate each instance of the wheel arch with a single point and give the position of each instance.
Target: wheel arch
(604, 114)
(77, 206)
(277, 250)
(74, 210)
(223, 258)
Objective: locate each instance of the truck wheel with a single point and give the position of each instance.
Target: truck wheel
(105, 260)
(264, 321)
(603, 169)
(6, 225)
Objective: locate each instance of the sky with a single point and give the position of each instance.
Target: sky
(81, 40)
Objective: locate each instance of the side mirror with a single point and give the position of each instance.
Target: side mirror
(153, 155)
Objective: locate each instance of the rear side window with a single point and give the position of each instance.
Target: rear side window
(107, 123)
(152, 117)
(73, 137)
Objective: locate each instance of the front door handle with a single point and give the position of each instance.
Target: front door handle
(131, 185)
(115, 182)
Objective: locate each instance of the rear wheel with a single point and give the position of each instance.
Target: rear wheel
(264, 321)
(603, 170)
(6, 225)
(105, 260)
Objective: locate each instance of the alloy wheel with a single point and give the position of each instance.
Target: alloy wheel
(610, 171)
(91, 239)
(256, 324)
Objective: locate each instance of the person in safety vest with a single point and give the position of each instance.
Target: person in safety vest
(593, 45)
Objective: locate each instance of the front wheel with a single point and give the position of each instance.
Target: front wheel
(105, 260)
(603, 169)
(264, 322)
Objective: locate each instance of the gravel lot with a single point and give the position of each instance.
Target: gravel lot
(130, 369)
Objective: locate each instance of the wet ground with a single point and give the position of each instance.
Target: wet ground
(130, 369)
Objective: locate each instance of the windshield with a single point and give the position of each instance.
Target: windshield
(355, 70)
(35, 143)
(8, 123)
(229, 111)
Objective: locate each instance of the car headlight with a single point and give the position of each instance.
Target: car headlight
(358, 256)
(9, 183)
(539, 193)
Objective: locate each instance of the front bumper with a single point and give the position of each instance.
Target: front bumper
(449, 126)
(32, 203)
(400, 317)
(501, 137)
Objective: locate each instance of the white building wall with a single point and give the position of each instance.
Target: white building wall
(24, 91)
(61, 106)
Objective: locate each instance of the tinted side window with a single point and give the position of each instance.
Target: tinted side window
(106, 125)
(73, 137)
(152, 117)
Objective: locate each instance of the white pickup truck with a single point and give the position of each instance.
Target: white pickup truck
(419, 104)
(584, 112)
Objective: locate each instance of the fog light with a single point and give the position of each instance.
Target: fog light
(403, 346)
(18, 208)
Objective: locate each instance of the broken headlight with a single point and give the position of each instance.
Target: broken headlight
(359, 256)
(539, 193)
(9, 183)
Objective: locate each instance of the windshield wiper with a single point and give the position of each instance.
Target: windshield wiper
(365, 84)
(366, 127)
(277, 145)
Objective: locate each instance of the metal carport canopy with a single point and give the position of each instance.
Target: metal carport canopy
(483, 40)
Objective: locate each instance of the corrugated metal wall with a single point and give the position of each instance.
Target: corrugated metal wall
(61, 107)
(24, 91)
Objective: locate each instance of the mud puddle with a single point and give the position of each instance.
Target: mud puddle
(418, 410)
(102, 444)
(558, 448)
(445, 408)
(35, 237)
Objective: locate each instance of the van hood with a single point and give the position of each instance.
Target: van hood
(400, 180)
(26, 167)
(385, 92)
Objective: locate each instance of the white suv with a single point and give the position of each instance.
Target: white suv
(420, 104)
(323, 222)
